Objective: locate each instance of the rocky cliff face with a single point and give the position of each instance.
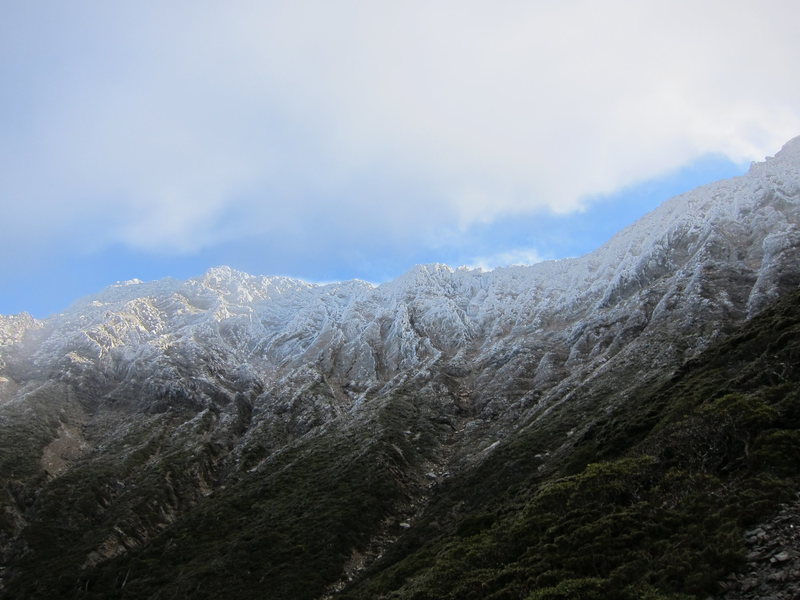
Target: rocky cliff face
(145, 403)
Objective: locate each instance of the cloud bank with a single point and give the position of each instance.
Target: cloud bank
(172, 127)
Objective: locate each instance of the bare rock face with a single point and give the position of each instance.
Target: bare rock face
(227, 373)
(773, 560)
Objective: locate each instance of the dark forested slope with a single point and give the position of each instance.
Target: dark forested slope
(651, 501)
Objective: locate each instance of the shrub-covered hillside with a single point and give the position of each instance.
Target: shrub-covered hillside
(652, 502)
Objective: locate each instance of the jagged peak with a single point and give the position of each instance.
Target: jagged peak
(224, 278)
(790, 150)
(13, 327)
(698, 209)
(127, 282)
(122, 292)
(787, 159)
(223, 272)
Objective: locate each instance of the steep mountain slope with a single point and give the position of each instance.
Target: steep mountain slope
(238, 435)
(652, 501)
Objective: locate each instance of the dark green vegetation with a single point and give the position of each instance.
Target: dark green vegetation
(648, 499)
(285, 530)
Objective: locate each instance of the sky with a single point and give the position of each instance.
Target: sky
(337, 140)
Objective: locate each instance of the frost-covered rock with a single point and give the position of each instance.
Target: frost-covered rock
(700, 262)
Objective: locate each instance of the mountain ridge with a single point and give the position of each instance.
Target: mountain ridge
(149, 403)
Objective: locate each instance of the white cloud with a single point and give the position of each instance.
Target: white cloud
(514, 257)
(173, 127)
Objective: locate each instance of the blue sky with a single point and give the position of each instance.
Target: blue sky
(331, 140)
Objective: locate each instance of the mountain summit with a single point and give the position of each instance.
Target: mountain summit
(244, 436)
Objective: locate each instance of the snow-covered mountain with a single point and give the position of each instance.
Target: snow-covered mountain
(266, 362)
(699, 263)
